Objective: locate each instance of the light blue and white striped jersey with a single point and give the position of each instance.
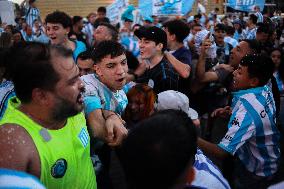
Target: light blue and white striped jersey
(259, 17)
(279, 82)
(6, 92)
(32, 13)
(249, 33)
(189, 38)
(99, 96)
(231, 41)
(238, 36)
(252, 133)
(88, 30)
(207, 175)
(20, 180)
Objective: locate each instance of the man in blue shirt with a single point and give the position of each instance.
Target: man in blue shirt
(104, 98)
(252, 134)
(177, 31)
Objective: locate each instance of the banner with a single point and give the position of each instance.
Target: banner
(115, 9)
(165, 7)
(7, 12)
(245, 5)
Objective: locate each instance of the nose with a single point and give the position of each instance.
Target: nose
(133, 106)
(141, 44)
(234, 73)
(120, 70)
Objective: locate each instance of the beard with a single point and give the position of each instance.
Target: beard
(65, 109)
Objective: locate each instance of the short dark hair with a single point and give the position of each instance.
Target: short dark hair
(36, 71)
(253, 18)
(177, 27)
(101, 9)
(197, 16)
(76, 19)
(254, 45)
(59, 17)
(113, 31)
(32, 1)
(158, 150)
(104, 48)
(260, 66)
(230, 30)
(263, 28)
(85, 55)
(221, 27)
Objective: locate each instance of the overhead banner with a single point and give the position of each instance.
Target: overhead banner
(115, 9)
(165, 7)
(246, 5)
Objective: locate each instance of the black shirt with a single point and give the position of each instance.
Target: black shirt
(161, 77)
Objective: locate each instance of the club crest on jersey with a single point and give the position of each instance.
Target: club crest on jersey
(235, 122)
(84, 137)
(59, 168)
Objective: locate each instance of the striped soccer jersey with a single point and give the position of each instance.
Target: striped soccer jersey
(32, 13)
(249, 33)
(207, 175)
(99, 96)
(259, 17)
(6, 92)
(252, 134)
(16, 179)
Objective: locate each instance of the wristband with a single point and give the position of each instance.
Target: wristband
(109, 116)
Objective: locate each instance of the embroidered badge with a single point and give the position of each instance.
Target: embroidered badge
(59, 168)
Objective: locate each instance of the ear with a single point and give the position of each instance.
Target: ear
(172, 37)
(190, 175)
(40, 96)
(97, 70)
(67, 30)
(254, 82)
(160, 46)
(107, 38)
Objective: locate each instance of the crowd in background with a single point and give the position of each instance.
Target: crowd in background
(177, 102)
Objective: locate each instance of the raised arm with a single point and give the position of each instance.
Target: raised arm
(181, 68)
(202, 75)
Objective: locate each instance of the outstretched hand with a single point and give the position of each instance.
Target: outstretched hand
(115, 130)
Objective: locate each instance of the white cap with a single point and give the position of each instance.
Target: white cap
(175, 100)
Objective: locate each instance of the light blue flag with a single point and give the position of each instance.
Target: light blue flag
(246, 5)
(146, 7)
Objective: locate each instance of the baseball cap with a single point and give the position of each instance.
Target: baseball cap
(175, 100)
(153, 34)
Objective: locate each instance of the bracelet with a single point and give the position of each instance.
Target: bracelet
(109, 116)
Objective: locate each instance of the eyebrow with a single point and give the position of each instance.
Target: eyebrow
(76, 76)
(110, 62)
